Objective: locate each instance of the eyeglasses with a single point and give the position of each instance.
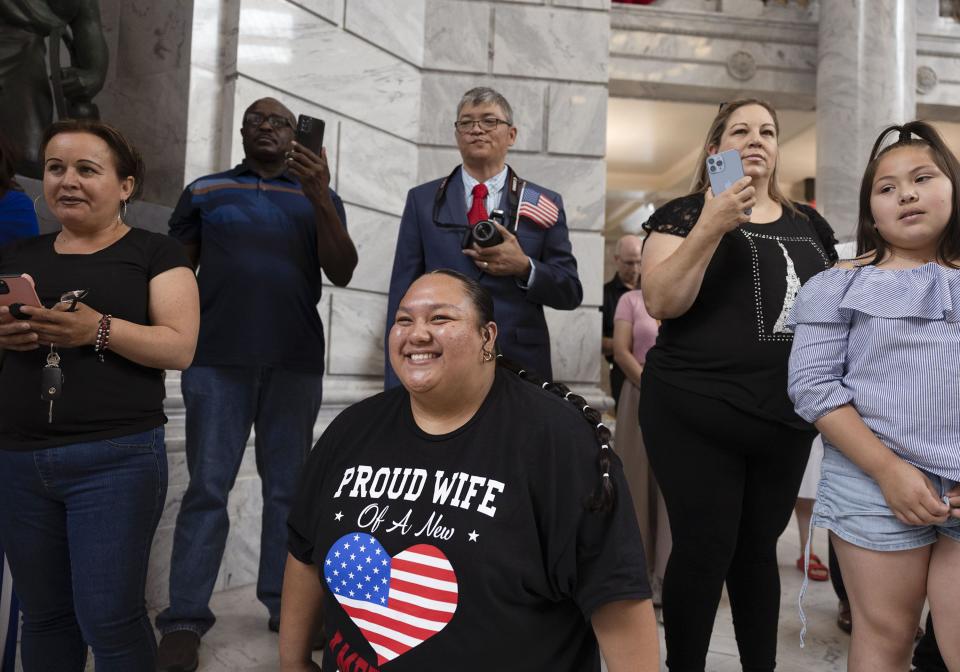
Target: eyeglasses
(485, 124)
(254, 119)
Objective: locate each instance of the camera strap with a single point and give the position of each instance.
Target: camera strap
(514, 185)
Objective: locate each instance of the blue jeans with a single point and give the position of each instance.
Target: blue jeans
(222, 404)
(76, 523)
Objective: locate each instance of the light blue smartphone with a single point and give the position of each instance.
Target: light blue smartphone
(724, 169)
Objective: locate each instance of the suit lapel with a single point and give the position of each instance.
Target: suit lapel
(453, 210)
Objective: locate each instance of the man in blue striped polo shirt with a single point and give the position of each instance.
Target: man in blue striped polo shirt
(259, 235)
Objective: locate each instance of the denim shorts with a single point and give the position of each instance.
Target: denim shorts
(851, 504)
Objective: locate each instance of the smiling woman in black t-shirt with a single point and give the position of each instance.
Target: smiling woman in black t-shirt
(83, 481)
(459, 522)
(716, 419)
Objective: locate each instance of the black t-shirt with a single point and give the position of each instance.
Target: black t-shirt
(612, 291)
(733, 342)
(472, 549)
(100, 400)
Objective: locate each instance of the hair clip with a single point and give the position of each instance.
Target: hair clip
(905, 136)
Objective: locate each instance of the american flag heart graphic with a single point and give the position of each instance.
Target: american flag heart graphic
(397, 603)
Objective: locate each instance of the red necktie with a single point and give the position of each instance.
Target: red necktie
(478, 210)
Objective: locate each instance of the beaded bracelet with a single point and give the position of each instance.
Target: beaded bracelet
(103, 336)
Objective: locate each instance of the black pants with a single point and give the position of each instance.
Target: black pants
(730, 481)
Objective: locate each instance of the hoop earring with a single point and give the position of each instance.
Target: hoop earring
(122, 213)
(36, 209)
(486, 355)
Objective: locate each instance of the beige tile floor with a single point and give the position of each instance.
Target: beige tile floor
(240, 642)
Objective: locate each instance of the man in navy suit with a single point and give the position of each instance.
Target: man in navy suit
(533, 266)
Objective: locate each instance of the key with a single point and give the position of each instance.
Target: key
(51, 381)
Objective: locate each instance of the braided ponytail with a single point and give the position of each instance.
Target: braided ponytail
(603, 498)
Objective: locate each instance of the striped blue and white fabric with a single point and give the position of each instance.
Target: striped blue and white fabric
(887, 341)
(9, 618)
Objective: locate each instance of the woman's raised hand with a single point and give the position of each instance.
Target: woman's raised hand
(726, 212)
(16, 334)
(64, 329)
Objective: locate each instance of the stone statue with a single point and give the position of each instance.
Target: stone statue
(27, 90)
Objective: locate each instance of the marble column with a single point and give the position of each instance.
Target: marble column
(866, 80)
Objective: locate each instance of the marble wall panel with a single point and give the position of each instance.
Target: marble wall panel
(154, 37)
(947, 68)
(575, 344)
(588, 249)
(355, 340)
(771, 11)
(210, 124)
(581, 182)
(457, 35)
(397, 27)
(705, 76)
(578, 119)
(664, 18)
(375, 169)
(216, 24)
(247, 91)
(603, 5)
(294, 51)
(150, 111)
(110, 11)
(375, 236)
(331, 10)
(714, 49)
(551, 43)
(441, 92)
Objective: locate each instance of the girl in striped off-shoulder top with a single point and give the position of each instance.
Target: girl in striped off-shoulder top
(876, 365)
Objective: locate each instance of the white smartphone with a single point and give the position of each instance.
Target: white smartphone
(724, 169)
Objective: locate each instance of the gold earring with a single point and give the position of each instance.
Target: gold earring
(486, 355)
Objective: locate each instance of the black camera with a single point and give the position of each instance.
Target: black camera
(485, 233)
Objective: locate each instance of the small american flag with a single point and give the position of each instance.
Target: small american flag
(397, 603)
(538, 208)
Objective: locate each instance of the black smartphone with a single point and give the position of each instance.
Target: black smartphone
(310, 133)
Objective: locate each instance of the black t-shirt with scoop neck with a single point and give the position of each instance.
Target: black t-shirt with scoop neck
(100, 400)
(733, 343)
(466, 551)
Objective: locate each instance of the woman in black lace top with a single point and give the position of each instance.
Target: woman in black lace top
(724, 442)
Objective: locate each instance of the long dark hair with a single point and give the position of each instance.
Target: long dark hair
(701, 180)
(868, 238)
(603, 498)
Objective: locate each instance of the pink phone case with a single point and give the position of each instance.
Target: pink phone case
(17, 289)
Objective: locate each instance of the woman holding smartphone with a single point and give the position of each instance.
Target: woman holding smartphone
(725, 444)
(83, 471)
